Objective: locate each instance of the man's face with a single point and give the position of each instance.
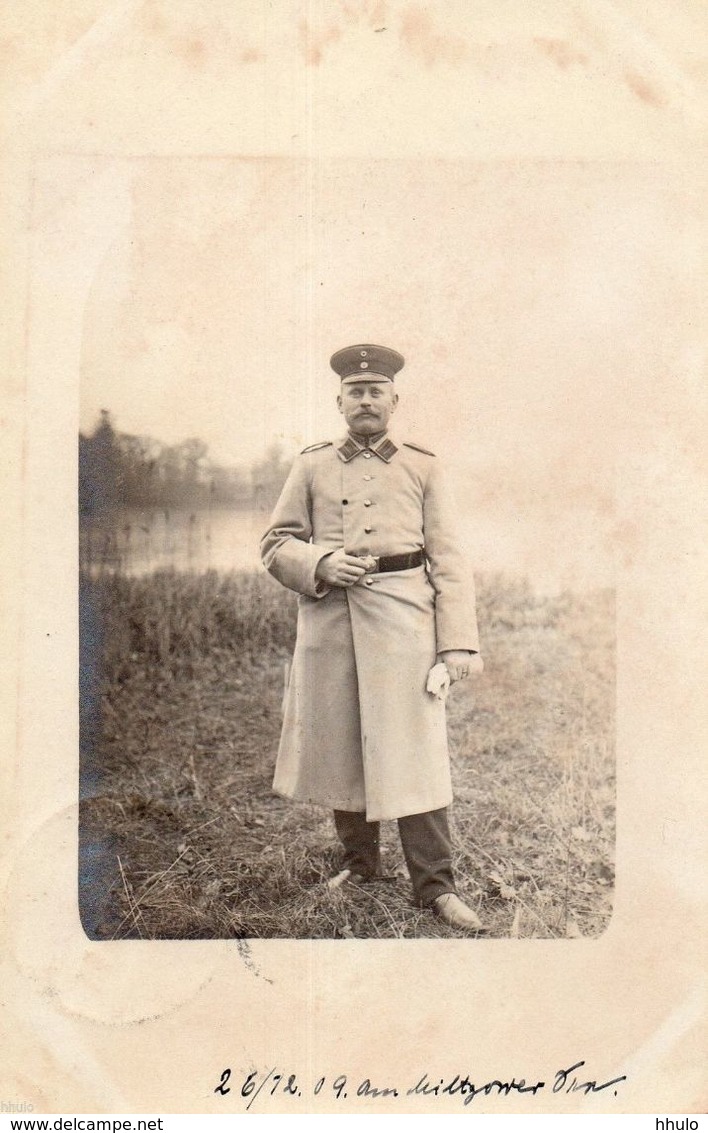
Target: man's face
(367, 406)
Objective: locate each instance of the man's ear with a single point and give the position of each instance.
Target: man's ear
(394, 402)
(339, 403)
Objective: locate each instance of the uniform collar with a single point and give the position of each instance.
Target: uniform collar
(350, 447)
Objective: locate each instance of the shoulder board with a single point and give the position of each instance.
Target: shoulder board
(418, 448)
(314, 448)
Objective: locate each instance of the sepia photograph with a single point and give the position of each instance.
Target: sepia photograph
(285, 589)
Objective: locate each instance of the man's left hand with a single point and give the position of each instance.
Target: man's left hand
(461, 664)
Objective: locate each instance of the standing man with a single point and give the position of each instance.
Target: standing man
(365, 532)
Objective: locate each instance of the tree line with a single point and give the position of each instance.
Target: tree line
(124, 470)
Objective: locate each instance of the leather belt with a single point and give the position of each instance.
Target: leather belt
(385, 563)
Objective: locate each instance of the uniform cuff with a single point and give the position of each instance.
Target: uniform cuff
(319, 586)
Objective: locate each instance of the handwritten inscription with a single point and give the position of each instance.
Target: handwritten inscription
(573, 1086)
(265, 1084)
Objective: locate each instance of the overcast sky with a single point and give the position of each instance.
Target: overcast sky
(524, 297)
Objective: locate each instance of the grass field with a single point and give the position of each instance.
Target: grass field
(179, 741)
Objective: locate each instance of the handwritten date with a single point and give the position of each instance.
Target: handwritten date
(275, 1082)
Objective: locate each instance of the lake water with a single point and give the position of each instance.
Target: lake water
(553, 549)
(137, 542)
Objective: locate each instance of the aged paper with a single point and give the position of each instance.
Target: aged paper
(486, 116)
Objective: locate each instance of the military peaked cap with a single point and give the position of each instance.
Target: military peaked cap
(366, 363)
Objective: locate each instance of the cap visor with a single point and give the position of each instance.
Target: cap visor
(365, 376)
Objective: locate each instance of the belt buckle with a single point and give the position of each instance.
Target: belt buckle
(371, 564)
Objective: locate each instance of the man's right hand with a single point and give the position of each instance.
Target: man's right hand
(340, 569)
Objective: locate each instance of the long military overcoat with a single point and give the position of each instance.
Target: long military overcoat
(360, 731)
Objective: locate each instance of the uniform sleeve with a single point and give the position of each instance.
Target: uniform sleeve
(286, 550)
(450, 572)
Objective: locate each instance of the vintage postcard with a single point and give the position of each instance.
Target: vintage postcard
(353, 713)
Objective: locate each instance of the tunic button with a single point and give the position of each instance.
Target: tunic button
(367, 477)
(367, 503)
(369, 581)
(367, 456)
(368, 530)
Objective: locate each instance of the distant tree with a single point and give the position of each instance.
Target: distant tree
(99, 468)
(129, 470)
(139, 460)
(229, 486)
(183, 473)
(268, 477)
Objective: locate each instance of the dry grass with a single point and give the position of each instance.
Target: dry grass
(189, 725)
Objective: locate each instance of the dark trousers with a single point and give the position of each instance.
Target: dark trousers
(426, 843)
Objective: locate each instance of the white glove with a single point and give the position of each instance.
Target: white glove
(438, 681)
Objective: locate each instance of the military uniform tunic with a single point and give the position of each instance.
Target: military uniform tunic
(360, 731)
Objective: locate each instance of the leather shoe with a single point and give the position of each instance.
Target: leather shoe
(454, 912)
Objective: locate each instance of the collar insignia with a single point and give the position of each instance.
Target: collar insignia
(349, 449)
(383, 448)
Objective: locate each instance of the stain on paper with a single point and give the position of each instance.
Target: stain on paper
(313, 43)
(560, 51)
(422, 39)
(645, 90)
